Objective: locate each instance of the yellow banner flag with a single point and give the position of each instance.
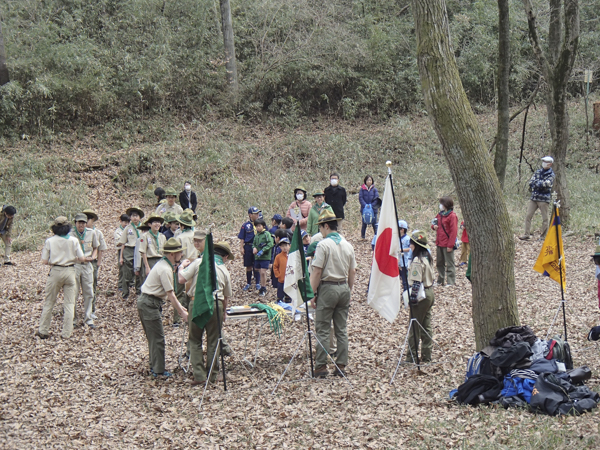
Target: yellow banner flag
(548, 263)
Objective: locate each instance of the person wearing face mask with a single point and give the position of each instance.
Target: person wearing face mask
(300, 208)
(187, 198)
(446, 226)
(158, 287)
(541, 192)
(335, 196)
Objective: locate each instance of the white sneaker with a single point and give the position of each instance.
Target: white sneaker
(94, 316)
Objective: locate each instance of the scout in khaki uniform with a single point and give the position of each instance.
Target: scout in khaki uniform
(158, 288)
(420, 272)
(138, 267)
(124, 219)
(127, 241)
(190, 253)
(332, 277)
(171, 226)
(194, 220)
(7, 214)
(189, 272)
(102, 247)
(151, 246)
(169, 205)
(84, 271)
(61, 252)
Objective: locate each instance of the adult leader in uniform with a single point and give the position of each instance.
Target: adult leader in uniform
(333, 271)
(157, 288)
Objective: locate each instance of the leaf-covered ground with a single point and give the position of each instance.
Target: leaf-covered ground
(94, 390)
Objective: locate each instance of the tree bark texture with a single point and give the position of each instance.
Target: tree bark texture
(228, 41)
(556, 66)
(479, 193)
(501, 156)
(4, 78)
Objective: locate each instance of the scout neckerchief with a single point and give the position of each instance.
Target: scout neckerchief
(335, 237)
(173, 269)
(81, 239)
(137, 233)
(155, 239)
(219, 260)
(66, 236)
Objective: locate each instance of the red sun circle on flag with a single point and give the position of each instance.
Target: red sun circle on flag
(387, 264)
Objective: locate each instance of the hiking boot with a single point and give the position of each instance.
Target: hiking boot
(321, 372)
(262, 292)
(165, 374)
(525, 237)
(198, 383)
(246, 288)
(42, 336)
(340, 371)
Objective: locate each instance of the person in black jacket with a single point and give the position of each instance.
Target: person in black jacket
(335, 196)
(187, 198)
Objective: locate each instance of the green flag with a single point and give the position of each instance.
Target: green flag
(297, 282)
(204, 302)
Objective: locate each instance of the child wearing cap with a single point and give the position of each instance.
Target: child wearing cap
(246, 237)
(169, 205)
(84, 272)
(279, 267)
(305, 240)
(261, 247)
(275, 222)
(128, 241)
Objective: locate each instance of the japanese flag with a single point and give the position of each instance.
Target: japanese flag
(384, 287)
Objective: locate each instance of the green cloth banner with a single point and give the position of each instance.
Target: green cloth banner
(204, 302)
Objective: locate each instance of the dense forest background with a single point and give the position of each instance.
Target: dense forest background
(78, 62)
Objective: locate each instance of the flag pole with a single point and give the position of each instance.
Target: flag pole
(213, 277)
(303, 293)
(562, 291)
(389, 166)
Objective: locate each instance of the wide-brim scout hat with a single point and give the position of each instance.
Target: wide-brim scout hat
(199, 235)
(60, 221)
(145, 226)
(321, 193)
(186, 218)
(91, 214)
(173, 245)
(134, 209)
(170, 193)
(327, 216)
(154, 218)
(419, 238)
(194, 215)
(226, 248)
(169, 217)
(80, 217)
(597, 251)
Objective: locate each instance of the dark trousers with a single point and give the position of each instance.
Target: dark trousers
(281, 295)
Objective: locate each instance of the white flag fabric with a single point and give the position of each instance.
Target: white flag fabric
(384, 287)
(297, 281)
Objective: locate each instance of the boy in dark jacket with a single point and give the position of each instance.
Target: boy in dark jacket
(261, 247)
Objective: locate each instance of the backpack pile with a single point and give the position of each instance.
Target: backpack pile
(519, 370)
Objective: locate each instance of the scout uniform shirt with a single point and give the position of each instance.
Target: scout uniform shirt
(420, 270)
(88, 240)
(152, 245)
(190, 273)
(224, 288)
(164, 207)
(129, 236)
(335, 256)
(160, 280)
(187, 241)
(247, 233)
(62, 251)
(118, 234)
(101, 242)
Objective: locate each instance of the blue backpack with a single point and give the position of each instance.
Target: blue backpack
(368, 215)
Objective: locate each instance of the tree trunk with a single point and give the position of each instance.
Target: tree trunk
(556, 65)
(230, 63)
(479, 193)
(4, 78)
(501, 156)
